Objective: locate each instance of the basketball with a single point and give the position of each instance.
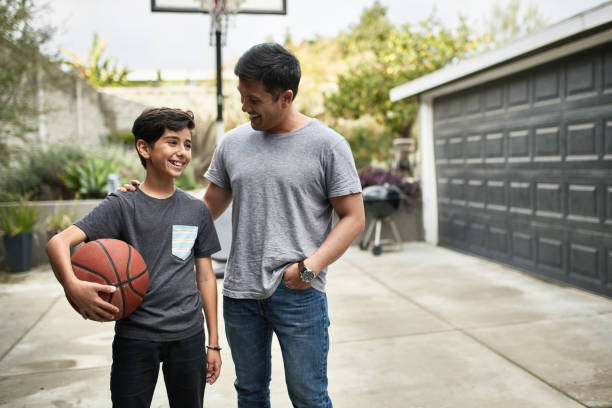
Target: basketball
(117, 263)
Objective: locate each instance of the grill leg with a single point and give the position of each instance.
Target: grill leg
(377, 233)
(365, 242)
(377, 249)
(398, 239)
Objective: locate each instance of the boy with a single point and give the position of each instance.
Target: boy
(168, 325)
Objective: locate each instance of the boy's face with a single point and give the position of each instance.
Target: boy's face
(265, 112)
(171, 153)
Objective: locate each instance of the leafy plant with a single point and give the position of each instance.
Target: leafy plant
(18, 219)
(35, 173)
(372, 176)
(97, 71)
(59, 220)
(89, 179)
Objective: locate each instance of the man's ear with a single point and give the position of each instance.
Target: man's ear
(286, 98)
(144, 149)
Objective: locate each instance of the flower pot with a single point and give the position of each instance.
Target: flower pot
(18, 250)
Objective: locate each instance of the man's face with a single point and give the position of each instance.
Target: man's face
(265, 112)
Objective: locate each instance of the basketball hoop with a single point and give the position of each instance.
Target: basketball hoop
(220, 13)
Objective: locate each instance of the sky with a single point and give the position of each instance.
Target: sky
(147, 41)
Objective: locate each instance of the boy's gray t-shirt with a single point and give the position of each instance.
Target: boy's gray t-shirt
(168, 233)
(281, 185)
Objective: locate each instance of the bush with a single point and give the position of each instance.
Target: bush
(89, 179)
(36, 174)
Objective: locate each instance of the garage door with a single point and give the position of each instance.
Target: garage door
(524, 170)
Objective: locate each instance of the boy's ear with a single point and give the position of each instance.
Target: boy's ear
(144, 149)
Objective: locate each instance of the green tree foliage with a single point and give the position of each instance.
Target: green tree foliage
(96, 70)
(382, 56)
(510, 20)
(21, 68)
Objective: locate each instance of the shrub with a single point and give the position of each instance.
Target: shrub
(89, 179)
(36, 174)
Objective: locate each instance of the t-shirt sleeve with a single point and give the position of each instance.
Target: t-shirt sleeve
(104, 221)
(341, 176)
(207, 241)
(217, 173)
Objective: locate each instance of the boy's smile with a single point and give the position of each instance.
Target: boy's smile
(171, 153)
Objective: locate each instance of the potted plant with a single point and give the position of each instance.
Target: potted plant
(17, 222)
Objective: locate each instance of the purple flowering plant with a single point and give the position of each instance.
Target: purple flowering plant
(374, 176)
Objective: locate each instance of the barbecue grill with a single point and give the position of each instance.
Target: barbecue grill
(380, 202)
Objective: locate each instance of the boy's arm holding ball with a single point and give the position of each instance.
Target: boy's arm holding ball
(83, 294)
(207, 284)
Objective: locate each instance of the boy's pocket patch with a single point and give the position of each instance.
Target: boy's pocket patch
(183, 238)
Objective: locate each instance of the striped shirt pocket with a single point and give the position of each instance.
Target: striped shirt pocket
(183, 238)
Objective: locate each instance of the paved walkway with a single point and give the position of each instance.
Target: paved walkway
(424, 327)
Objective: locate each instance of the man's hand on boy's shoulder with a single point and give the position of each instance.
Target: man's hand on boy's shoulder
(129, 187)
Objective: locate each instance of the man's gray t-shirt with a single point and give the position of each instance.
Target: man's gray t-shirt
(168, 233)
(281, 185)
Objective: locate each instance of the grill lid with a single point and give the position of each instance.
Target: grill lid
(381, 201)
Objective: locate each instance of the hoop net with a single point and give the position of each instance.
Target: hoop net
(220, 13)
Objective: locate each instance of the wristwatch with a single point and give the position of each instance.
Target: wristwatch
(307, 275)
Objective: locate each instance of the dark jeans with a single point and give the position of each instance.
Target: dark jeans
(136, 366)
(300, 321)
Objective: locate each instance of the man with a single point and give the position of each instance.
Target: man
(285, 174)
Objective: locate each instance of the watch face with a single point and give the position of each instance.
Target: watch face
(307, 275)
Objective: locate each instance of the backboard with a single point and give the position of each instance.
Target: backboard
(203, 6)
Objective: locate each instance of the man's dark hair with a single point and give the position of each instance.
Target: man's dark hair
(276, 67)
(152, 123)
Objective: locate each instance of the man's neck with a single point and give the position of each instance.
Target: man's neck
(157, 188)
(293, 121)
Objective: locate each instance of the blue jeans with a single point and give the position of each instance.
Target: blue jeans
(136, 366)
(300, 321)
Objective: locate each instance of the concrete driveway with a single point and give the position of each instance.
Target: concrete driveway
(422, 327)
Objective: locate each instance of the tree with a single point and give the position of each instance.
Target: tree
(506, 21)
(97, 71)
(21, 68)
(382, 56)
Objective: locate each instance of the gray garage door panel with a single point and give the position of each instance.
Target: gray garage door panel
(524, 169)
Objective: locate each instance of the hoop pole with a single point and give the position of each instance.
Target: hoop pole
(220, 127)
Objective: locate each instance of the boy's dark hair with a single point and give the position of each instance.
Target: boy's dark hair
(276, 67)
(152, 123)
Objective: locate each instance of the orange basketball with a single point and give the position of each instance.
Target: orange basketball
(117, 263)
